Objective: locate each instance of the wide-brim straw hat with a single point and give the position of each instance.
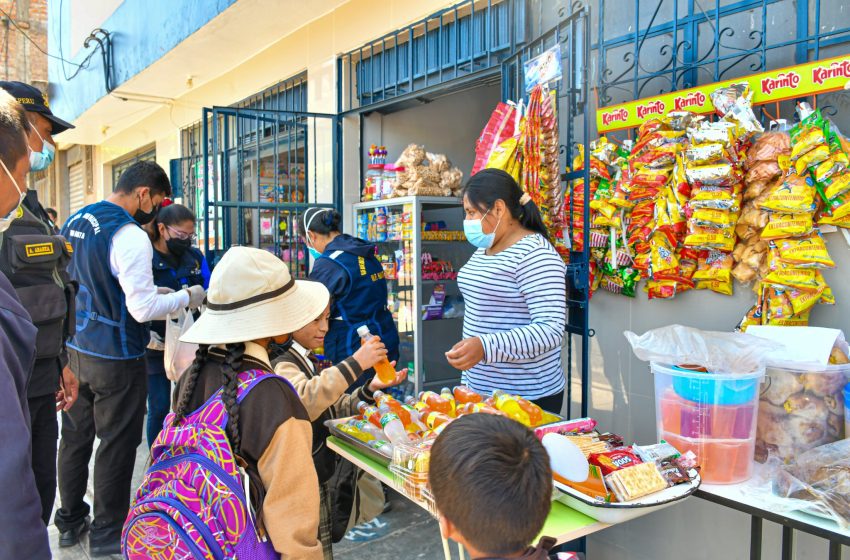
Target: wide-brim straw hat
(252, 296)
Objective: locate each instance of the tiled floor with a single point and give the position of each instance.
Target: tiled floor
(405, 528)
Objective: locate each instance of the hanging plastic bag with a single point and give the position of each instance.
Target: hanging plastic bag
(178, 355)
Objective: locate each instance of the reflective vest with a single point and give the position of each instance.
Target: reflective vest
(104, 326)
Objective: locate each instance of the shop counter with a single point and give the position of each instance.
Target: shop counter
(564, 524)
(733, 497)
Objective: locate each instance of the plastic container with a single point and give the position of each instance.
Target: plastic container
(373, 183)
(801, 407)
(847, 411)
(713, 415)
(389, 180)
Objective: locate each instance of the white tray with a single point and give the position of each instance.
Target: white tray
(619, 512)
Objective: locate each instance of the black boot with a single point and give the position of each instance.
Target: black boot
(72, 536)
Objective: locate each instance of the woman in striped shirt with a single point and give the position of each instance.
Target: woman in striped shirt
(514, 290)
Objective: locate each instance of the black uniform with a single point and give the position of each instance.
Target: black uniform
(34, 260)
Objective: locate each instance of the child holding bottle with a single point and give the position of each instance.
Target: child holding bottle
(323, 394)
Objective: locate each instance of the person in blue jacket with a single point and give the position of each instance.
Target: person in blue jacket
(176, 265)
(355, 278)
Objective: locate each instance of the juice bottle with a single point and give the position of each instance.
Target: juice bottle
(370, 413)
(446, 393)
(471, 408)
(509, 405)
(382, 446)
(465, 395)
(535, 413)
(355, 433)
(417, 405)
(433, 419)
(436, 402)
(393, 428)
(383, 369)
(367, 427)
(384, 400)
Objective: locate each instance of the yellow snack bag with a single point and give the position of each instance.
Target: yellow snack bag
(718, 286)
(806, 141)
(777, 304)
(795, 195)
(710, 239)
(811, 158)
(662, 255)
(828, 297)
(717, 219)
(801, 278)
(801, 320)
(805, 252)
(803, 300)
(504, 157)
(839, 207)
(834, 164)
(837, 185)
(714, 266)
(787, 225)
(716, 198)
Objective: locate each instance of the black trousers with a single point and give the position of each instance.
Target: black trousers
(111, 406)
(45, 431)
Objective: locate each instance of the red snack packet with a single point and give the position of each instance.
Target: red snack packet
(614, 460)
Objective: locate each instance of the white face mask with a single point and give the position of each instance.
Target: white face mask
(7, 221)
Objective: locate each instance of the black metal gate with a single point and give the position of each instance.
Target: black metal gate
(260, 171)
(572, 34)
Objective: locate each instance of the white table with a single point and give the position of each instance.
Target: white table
(731, 496)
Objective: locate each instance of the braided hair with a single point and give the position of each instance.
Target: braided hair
(230, 368)
(190, 382)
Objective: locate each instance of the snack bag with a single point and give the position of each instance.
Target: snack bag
(703, 154)
(801, 278)
(714, 175)
(795, 195)
(725, 97)
(660, 289)
(787, 225)
(716, 219)
(835, 164)
(837, 208)
(828, 298)
(708, 238)
(505, 157)
(717, 198)
(662, 254)
(614, 460)
(805, 252)
(807, 136)
(812, 158)
(834, 186)
(714, 265)
(803, 300)
(718, 286)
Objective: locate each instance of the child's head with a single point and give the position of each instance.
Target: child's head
(492, 483)
(312, 335)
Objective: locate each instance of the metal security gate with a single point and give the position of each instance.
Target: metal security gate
(572, 34)
(260, 171)
(77, 189)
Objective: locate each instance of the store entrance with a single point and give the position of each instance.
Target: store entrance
(262, 169)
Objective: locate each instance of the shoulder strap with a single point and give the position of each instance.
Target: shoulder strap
(251, 378)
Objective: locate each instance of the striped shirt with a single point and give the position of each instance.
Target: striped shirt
(516, 304)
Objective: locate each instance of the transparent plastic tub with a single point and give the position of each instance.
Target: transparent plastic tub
(847, 411)
(800, 407)
(713, 415)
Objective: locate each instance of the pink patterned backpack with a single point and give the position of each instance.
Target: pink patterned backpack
(192, 502)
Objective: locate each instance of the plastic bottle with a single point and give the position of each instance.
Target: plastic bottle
(383, 369)
(356, 433)
(436, 402)
(535, 413)
(433, 419)
(382, 446)
(446, 393)
(465, 395)
(394, 428)
(472, 408)
(509, 405)
(370, 413)
(419, 406)
(382, 399)
(367, 427)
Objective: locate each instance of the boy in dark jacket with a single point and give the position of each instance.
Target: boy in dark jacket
(492, 485)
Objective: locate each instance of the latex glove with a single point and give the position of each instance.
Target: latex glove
(196, 296)
(164, 290)
(67, 395)
(466, 353)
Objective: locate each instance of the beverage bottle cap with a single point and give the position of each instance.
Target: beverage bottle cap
(363, 331)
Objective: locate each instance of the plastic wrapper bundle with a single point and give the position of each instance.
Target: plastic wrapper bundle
(426, 174)
(817, 482)
(718, 352)
(502, 125)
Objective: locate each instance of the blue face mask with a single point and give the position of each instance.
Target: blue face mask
(475, 233)
(314, 252)
(39, 161)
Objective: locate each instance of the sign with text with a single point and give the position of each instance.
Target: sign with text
(786, 83)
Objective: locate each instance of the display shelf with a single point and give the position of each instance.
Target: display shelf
(404, 257)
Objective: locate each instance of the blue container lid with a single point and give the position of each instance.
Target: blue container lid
(847, 397)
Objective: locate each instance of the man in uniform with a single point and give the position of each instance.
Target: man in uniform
(34, 259)
(22, 532)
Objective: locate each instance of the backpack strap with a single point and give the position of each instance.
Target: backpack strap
(251, 378)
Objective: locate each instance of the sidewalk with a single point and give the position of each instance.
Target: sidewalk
(406, 530)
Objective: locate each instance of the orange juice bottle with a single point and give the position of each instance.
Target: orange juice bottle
(465, 395)
(446, 393)
(535, 413)
(370, 413)
(417, 405)
(510, 406)
(383, 369)
(472, 408)
(436, 402)
(433, 419)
